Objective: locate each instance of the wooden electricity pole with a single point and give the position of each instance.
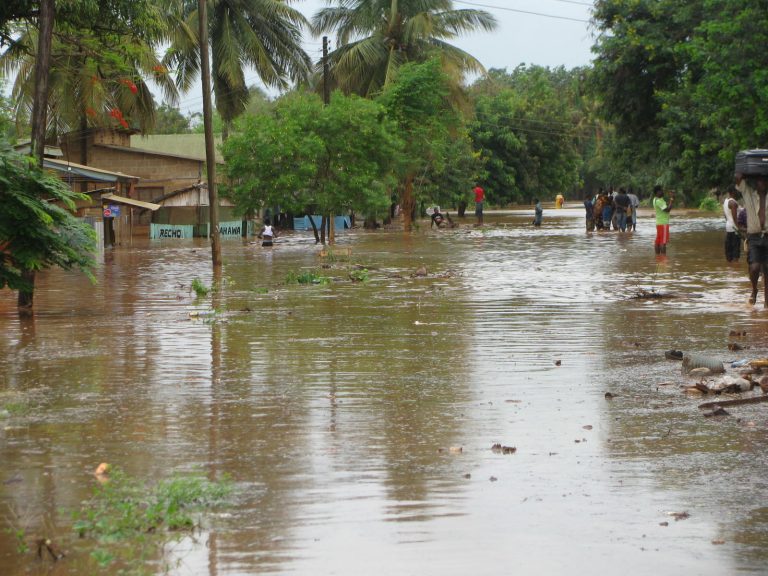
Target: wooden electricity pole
(326, 101)
(210, 154)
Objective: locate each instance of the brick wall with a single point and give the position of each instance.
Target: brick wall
(158, 172)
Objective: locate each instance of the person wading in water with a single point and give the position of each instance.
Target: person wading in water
(753, 191)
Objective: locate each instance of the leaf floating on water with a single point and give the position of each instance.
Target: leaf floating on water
(587, 427)
(608, 395)
(679, 515)
(718, 542)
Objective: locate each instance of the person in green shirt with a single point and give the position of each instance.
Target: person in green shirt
(662, 208)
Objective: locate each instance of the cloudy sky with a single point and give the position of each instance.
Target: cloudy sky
(545, 32)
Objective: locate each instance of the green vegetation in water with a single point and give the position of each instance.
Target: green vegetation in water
(14, 409)
(20, 536)
(200, 289)
(334, 256)
(261, 290)
(128, 518)
(306, 277)
(709, 204)
(359, 275)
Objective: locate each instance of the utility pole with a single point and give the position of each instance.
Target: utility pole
(326, 86)
(326, 101)
(210, 154)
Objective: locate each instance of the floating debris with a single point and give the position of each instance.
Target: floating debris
(717, 411)
(498, 448)
(643, 294)
(673, 355)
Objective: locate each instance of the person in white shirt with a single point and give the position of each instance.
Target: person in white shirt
(267, 234)
(732, 239)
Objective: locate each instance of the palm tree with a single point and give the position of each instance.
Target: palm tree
(262, 34)
(88, 87)
(375, 37)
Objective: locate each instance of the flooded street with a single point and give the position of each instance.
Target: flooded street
(356, 419)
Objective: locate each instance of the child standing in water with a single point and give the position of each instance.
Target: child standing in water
(267, 234)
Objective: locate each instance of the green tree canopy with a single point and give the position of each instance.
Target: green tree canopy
(376, 37)
(262, 34)
(684, 83)
(527, 129)
(170, 120)
(103, 55)
(36, 232)
(301, 154)
(420, 104)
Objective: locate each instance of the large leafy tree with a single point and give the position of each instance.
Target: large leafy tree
(262, 34)
(527, 129)
(170, 120)
(421, 105)
(37, 230)
(376, 37)
(684, 83)
(721, 106)
(333, 158)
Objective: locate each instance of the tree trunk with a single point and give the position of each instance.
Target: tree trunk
(408, 203)
(210, 155)
(331, 230)
(322, 229)
(26, 298)
(314, 228)
(39, 121)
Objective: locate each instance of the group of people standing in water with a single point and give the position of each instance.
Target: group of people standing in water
(612, 210)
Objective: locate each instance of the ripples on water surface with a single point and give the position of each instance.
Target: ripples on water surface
(335, 408)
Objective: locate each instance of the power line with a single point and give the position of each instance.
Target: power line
(526, 11)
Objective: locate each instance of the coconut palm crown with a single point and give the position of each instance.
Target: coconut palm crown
(262, 34)
(375, 37)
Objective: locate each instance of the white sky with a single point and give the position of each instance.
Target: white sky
(544, 32)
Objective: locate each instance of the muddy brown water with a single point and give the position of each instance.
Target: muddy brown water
(338, 409)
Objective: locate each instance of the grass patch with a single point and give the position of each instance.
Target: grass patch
(359, 275)
(200, 289)
(15, 408)
(127, 518)
(709, 204)
(306, 277)
(335, 255)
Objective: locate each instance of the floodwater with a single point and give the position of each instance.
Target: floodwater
(339, 410)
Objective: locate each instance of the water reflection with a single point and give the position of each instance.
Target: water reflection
(357, 419)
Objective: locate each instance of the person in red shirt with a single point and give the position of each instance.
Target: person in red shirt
(479, 198)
